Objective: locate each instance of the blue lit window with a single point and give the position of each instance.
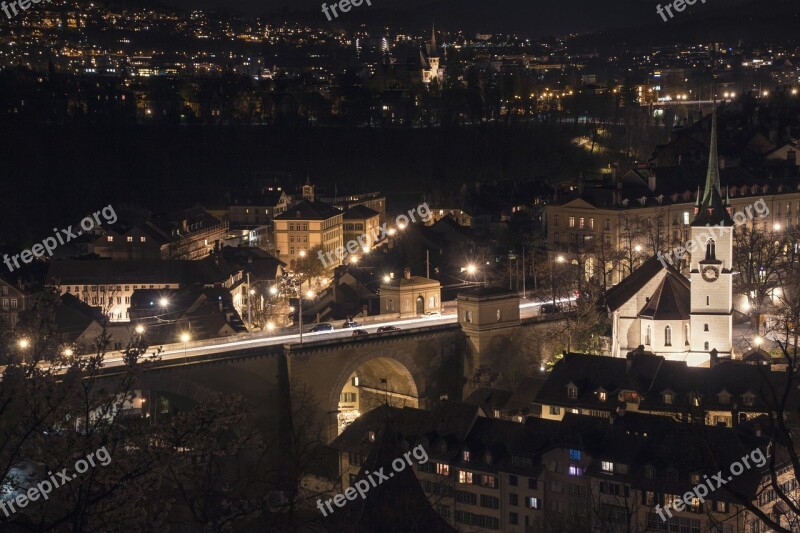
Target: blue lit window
(575, 455)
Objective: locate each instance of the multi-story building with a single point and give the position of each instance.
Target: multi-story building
(306, 225)
(361, 225)
(727, 393)
(13, 301)
(109, 285)
(258, 209)
(580, 474)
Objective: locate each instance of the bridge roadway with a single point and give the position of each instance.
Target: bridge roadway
(178, 353)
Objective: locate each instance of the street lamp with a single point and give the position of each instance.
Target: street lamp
(139, 329)
(24, 343)
(273, 290)
(163, 302)
(184, 339)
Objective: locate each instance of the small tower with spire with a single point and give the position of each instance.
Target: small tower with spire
(711, 265)
(429, 58)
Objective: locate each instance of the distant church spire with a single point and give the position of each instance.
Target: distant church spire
(712, 209)
(433, 52)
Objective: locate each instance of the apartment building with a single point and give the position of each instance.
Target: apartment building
(13, 301)
(647, 210)
(305, 225)
(580, 474)
(361, 225)
(110, 285)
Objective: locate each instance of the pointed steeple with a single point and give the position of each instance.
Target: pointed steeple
(712, 209)
(433, 51)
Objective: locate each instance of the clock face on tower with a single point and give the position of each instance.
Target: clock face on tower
(710, 273)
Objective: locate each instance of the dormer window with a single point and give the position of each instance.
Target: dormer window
(602, 395)
(668, 398)
(749, 399)
(572, 391)
(465, 456)
(695, 399)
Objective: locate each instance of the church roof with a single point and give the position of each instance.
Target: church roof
(617, 295)
(712, 210)
(670, 301)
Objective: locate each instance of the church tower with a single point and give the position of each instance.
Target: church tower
(433, 54)
(711, 266)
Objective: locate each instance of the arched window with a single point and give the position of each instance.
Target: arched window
(705, 346)
(647, 336)
(711, 250)
(668, 336)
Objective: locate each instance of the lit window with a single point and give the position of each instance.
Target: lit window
(581, 222)
(465, 455)
(575, 455)
(575, 470)
(668, 398)
(465, 478)
(555, 410)
(142, 239)
(607, 466)
(602, 396)
(571, 222)
(129, 239)
(533, 503)
(443, 469)
(110, 238)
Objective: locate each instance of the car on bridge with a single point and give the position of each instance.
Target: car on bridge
(351, 324)
(322, 327)
(549, 309)
(388, 328)
(360, 332)
(431, 314)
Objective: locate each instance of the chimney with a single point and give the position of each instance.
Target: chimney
(407, 273)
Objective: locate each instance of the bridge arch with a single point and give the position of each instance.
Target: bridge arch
(370, 380)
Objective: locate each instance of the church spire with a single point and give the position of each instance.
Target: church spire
(712, 209)
(434, 52)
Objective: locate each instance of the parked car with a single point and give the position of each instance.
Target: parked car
(388, 328)
(432, 314)
(360, 332)
(351, 324)
(322, 327)
(549, 309)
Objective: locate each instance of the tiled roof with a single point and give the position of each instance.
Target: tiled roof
(617, 295)
(360, 212)
(305, 210)
(670, 301)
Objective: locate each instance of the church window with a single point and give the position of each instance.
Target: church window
(711, 250)
(705, 327)
(668, 336)
(647, 336)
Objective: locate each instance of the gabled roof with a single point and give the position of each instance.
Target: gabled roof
(670, 301)
(617, 295)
